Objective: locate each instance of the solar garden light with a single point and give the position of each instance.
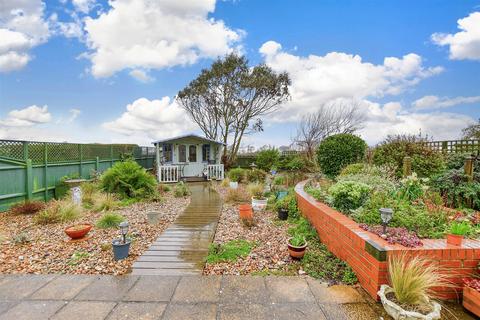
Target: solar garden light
(123, 230)
(386, 215)
(253, 166)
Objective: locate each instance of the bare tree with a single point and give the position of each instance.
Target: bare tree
(339, 116)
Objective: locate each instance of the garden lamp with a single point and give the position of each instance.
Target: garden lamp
(386, 215)
(123, 230)
(253, 166)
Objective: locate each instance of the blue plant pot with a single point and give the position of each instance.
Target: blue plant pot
(120, 249)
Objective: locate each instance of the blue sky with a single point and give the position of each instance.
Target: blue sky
(93, 71)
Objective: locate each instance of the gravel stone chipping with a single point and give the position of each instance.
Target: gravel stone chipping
(270, 235)
(50, 251)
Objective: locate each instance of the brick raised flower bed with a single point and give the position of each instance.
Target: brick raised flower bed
(367, 253)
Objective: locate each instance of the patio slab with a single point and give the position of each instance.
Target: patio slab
(107, 288)
(243, 289)
(35, 310)
(81, 310)
(289, 289)
(198, 289)
(152, 288)
(197, 311)
(20, 286)
(137, 311)
(63, 288)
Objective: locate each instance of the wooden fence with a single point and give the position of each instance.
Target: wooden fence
(455, 146)
(30, 170)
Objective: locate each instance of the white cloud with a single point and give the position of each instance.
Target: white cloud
(464, 44)
(391, 118)
(153, 118)
(146, 34)
(22, 27)
(26, 117)
(318, 79)
(434, 102)
(83, 6)
(74, 113)
(141, 75)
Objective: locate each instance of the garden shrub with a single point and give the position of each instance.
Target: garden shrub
(255, 175)
(377, 183)
(457, 161)
(58, 211)
(89, 191)
(337, 151)
(412, 188)
(349, 195)
(279, 180)
(392, 151)
(163, 188)
(104, 202)
(304, 229)
(256, 190)
(267, 159)
(129, 180)
(27, 207)
(295, 163)
(181, 190)
(238, 195)
(367, 169)
(109, 220)
(455, 188)
(236, 175)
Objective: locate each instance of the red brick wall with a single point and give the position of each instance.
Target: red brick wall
(367, 253)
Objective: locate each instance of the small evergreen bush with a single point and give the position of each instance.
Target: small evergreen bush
(129, 180)
(349, 195)
(256, 175)
(236, 175)
(181, 190)
(337, 151)
(392, 151)
(267, 159)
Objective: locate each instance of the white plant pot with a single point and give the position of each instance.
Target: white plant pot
(259, 204)
(397, 313)
(233, 185)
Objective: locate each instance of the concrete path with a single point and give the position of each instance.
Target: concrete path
(170, 297)
(182, 247)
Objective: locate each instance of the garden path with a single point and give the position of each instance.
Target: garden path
(183, 246)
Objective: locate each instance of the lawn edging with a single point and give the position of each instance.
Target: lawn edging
(367, 253)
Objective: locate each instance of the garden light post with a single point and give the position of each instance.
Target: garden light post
(386, 215)
(253, 166)
(123, 230)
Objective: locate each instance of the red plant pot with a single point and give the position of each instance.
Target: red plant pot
(296, 252)
(78, 231)
(471, 300)
(454, 239)
(245, 211)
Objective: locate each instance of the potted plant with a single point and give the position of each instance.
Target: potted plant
(259, 201)
(282, 208)
(245, 211)
(121, 247)
(471, 296)
(457, 231)
(78, 231)
(297, 246)
(410, 295)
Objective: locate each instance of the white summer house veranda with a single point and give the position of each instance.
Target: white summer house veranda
(189, 158)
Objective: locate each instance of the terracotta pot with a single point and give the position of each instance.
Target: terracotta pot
(78, 231)
(471, 300)
(296, 252)
(454, 239)
(245, 211)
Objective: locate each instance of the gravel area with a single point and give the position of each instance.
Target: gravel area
(270, 234)
(49, 250)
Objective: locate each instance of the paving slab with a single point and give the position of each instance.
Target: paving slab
(137, 311)
(152, 288)
(5, 305)
(244, 311)
(336, 294)
(63, 288)
(19, 287)
(35, 310)
(197, 311)
(297, 311)
(198, 289)
(288, 289)
(107, 288)
(243, 289)
(82, 310)
(352, 311)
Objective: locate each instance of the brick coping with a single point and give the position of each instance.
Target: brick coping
(368, 253)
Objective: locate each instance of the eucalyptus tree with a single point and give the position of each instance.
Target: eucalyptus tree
(229, 99)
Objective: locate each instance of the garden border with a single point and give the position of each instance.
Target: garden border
(367, 253)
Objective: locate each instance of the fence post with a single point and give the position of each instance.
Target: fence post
(25, 150)
(111, 156)
(29, 179)
(468, 167)
(97, 164)
(80, 151)
(407, 166)
(45, 172)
